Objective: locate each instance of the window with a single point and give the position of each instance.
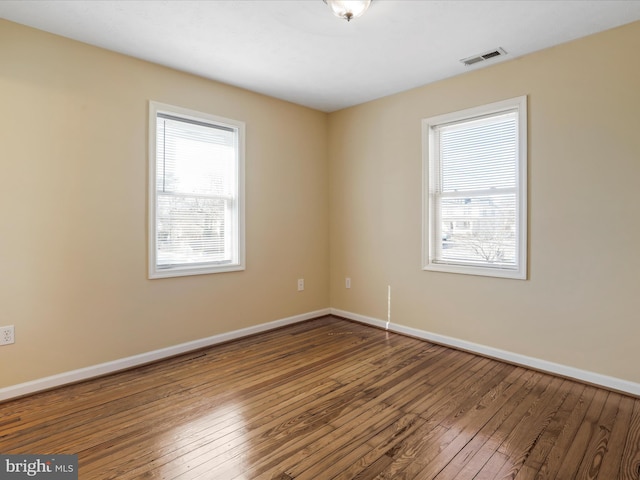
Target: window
(196, 210)
(475, 213)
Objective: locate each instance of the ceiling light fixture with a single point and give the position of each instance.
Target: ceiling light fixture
(348, 9)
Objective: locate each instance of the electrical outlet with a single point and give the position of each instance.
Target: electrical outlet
(300, 284)
(6, 335)
(347, 282)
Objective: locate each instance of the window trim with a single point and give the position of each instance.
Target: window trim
(429, 159)
(210, 267)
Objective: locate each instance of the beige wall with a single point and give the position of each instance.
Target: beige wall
(73, 239)
(581, 304)
(73, 244)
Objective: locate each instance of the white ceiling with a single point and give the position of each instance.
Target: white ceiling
(298, 51)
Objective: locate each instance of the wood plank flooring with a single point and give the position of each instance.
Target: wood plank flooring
(331, 399)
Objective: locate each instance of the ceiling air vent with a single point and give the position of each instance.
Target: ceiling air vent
(483, 56)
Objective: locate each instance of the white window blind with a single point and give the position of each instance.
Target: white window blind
(196, 200)
(476, 201)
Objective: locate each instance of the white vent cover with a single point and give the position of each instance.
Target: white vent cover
(481, 57)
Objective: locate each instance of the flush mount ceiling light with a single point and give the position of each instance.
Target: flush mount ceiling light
(348, 9)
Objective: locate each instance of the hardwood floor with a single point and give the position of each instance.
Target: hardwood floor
(331, 399)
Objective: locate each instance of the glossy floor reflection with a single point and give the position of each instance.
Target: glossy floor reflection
(331, 399)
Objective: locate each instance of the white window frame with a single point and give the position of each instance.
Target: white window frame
(237, 236)
(431, 229)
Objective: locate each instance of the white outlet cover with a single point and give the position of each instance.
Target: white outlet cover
(7, 335)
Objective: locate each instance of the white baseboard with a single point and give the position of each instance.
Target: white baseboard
(53, 381)
(136, 360)
(611, 383)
